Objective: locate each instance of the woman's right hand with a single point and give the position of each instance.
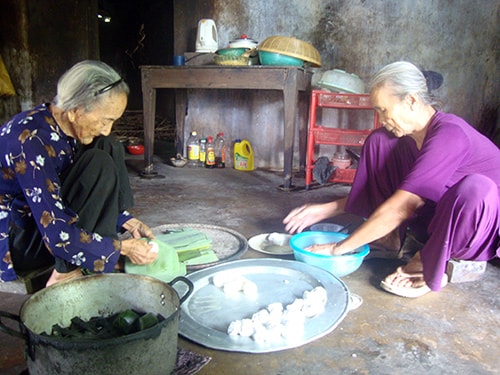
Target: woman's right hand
(304, 216)
(139, 251)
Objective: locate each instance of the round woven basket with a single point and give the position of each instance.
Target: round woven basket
(291, 46)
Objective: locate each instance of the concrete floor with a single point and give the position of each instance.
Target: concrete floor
(455, 331)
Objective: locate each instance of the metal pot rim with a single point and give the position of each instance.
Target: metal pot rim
(27, 332)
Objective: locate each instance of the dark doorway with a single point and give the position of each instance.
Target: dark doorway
(134, 33)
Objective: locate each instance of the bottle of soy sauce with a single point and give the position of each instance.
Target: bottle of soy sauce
(210, 160)
(220, 151)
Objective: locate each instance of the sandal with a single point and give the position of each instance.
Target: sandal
(408, 291)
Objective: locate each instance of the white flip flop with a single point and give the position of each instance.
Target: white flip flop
(411, 292)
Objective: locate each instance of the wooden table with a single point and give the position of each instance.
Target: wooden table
(290, 80)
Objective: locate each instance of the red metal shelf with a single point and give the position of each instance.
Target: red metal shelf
(345, 101)
(320, 134)
(344, 137)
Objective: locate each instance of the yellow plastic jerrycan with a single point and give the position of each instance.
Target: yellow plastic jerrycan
(243, 155)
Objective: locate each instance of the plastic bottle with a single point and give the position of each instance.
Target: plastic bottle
(210, 162)
(203, 151)
(193, 149)
(220, 151)
(243, 155)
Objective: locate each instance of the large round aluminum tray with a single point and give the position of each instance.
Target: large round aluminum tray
(208, 311)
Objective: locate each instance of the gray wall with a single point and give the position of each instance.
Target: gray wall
(458, 38)
(38, 41)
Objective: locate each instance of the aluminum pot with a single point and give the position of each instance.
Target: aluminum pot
(151, 351)
(243, 42)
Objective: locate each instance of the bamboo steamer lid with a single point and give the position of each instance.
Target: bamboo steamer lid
(290, 46)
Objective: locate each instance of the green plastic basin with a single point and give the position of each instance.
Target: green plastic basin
(232, 52)
(277, 59)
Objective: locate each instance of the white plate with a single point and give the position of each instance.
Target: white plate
(261, 244)
(208, 311)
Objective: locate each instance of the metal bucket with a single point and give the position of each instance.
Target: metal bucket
(151, 351)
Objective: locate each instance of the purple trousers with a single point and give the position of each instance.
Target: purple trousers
(463, 224)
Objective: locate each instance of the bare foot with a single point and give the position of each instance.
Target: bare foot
(408, 276)
(408, 281)
(414, 265)
(405, 280)
(56, 277)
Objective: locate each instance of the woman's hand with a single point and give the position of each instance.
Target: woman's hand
(333, 248)
(138, 229)
(302, 217)
(139, 251)
(324, 249)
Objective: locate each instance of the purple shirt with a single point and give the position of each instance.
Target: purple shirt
(455, 158)
(451, 150)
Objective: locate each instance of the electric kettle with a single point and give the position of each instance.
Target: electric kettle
(206, 37)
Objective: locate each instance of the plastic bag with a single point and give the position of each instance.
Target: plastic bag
(6, 86)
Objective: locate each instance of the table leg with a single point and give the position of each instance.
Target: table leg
(149, 104)
(180, 119)
(290, 107)
(303, 118)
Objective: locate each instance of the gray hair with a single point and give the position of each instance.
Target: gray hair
(86, 84)
(404, 78)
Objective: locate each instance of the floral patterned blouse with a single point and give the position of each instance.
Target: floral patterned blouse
(34, 152)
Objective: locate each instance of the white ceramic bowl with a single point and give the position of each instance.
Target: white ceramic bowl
(340, 81)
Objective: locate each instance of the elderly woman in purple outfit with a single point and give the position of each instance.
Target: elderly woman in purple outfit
(425, 171)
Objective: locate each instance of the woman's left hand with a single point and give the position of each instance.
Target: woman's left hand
(326, 249)
(139, 251)
(138, 229)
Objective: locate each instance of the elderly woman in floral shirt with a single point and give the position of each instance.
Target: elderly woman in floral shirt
(64, 191)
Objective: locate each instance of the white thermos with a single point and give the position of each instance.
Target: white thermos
(206, 37)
